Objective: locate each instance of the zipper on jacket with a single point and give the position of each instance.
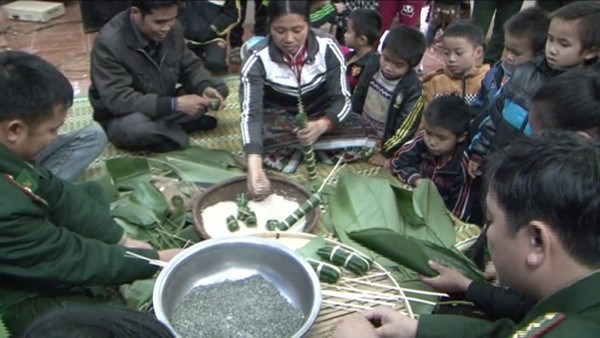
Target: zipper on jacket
(162, 84)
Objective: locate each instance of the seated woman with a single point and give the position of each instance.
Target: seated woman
(295, 65)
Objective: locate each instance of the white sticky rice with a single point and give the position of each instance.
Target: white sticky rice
(214, 218)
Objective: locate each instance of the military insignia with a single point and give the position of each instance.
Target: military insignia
(541, 325)
(26, 180)
(26, 189)
(355, 71)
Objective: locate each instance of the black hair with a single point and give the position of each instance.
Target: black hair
(367, 23)
(278, 8)
(554, 178)
(466, 29)
(96, 322)
(588, 15)
(533, 23)
(147, 6)
(31, 88)
(449, 112)
(570, 101)
(406, 43)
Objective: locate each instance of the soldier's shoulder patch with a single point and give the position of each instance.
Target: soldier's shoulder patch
(541, 325)
(25, 188)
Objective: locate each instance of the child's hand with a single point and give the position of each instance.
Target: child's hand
(418, 182)
(380, 161)
(474, 169)
(340, 7)
(449, 280)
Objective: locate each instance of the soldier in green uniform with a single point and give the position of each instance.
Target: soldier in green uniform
(57, 239)
(543, 204)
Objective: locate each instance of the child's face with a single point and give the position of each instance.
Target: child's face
(350, 38)
(392, 67)
(460, 56)
(564, 45)
(440, 141)
(518, 50)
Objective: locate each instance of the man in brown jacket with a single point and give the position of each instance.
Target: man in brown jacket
(138, 60)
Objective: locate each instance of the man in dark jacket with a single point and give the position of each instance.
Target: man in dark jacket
(138, 60)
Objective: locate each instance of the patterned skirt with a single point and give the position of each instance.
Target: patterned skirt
(352, 139)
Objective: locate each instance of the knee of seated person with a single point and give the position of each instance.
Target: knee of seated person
(215, 65)
(95, 136)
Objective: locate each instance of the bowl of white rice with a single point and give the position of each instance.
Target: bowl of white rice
(212, 208)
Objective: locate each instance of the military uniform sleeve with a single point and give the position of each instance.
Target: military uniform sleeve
(406, 163)
(451, 326)
(338, 90)
(114, 84)
(35, 249)
(252, 80)
(497, 302)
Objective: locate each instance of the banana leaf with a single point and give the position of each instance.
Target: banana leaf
(361, 202)
(3, 330)
(220, 158)
(138, 293)
(126, 172)
(144, 206)
(310, 249)
(414, 253)
(195, 172)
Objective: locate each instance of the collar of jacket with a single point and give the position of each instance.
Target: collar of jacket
(133, 37)
(12, 164)
(312, 48)
(481, 69)
(575, 298)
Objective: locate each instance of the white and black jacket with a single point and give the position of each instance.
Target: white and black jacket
(267, 81)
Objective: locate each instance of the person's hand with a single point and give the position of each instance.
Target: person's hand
(379, 160)
(391, 323)
(212, 94)
(354, 325)
(167, 255)
(314, 129)
(135, 244)
(418, 182)
(474, 169)
(490, 271)
(340, 7)
(259, 185)
(191, 104)
(449, 280)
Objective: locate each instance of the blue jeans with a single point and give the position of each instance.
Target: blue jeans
(71, 153)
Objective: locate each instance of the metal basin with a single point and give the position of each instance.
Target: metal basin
(233, 258)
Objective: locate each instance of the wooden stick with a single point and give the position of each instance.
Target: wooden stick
(331, 173)
(351, 307)
(428, 293)
(357, 296)
(155, 262)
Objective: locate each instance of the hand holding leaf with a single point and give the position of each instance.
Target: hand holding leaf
(448, 280)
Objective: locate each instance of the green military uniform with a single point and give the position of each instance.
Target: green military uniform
(55, 237)
(571, 312)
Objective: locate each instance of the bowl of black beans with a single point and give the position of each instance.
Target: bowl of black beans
(240, 286)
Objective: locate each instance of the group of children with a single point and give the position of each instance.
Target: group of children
(444, 126)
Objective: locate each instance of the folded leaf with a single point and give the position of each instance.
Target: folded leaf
(196, 172)
(414, 253)
(198, 154)
(127, 171)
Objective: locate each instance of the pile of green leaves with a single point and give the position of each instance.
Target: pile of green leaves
(3, 330)
(413, 226)
(144, 212)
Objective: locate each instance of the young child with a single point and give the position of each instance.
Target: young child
(573, 42)
(364, 30)
(462, 75)
(390, 94)
(525, 36)
(438, 153)
(544, 211)
(57, 239)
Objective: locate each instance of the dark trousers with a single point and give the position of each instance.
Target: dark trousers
(213, 55)
(482, 16)
(235, 37)
(552, 5)
(139, 132)
(260, 18)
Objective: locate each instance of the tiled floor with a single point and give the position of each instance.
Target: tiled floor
(63, 43)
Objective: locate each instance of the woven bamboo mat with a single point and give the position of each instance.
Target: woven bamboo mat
(226, 136)
(337, 302)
